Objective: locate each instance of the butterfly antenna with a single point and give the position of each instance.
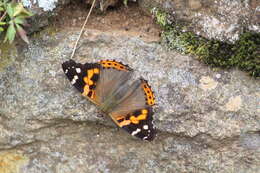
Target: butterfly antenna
(81, 31)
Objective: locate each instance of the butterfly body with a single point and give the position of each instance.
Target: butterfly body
(108, 84)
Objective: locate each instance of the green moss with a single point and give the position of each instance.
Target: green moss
(247, 53)
(161, 17)
(244, 53)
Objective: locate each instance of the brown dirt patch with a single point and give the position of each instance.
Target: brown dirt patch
(129, 20)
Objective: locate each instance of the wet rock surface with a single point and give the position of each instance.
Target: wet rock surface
(207, 121)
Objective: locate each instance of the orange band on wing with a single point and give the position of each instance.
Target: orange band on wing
(150, 99)
(115, 65)
(90, 81)
(134, 119)
(142, 116)
(124, 123)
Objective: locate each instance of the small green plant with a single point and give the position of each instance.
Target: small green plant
(161, 17)
(125, 2)
(12, 20)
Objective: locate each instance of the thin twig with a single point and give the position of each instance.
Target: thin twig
(74, 49)
(3, 16)
(5, 13)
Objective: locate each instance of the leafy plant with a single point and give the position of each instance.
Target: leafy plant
(12, 20)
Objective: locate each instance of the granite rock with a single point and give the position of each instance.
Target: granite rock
(207, 120)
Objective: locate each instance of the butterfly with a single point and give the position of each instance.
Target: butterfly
(108, 85)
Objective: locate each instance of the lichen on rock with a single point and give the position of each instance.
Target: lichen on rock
(12, 162)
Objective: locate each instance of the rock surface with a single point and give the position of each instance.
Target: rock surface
(207, 121)
(222, 20)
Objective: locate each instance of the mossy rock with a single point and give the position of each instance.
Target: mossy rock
(247, 53)
(244, 53)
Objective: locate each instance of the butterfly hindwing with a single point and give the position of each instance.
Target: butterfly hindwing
(138, 123)
(134, 113)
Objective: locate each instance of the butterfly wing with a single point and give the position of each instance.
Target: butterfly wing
(107, 84)
(83, 77)
(134, 113)
(113, 76)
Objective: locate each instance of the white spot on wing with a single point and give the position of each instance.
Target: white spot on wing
(144, 138)
(66, 71)
(145, 127)
(73, 82)
(135, 132)
(75, 78)
(78, 70)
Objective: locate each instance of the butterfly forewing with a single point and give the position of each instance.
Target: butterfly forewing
(108, 86)
(84, 77)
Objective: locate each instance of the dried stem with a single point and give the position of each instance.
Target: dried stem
(3, 16)
(75, 46)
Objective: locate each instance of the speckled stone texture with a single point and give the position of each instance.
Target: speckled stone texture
(214, 19)
(207, 121)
